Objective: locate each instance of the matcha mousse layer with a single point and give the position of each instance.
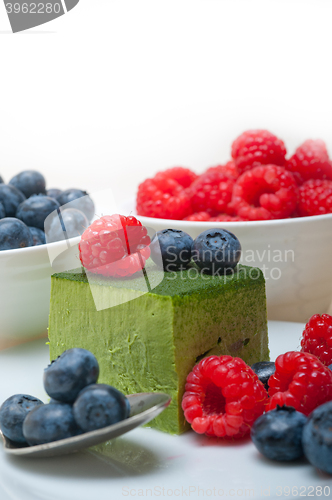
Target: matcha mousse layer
(151, 342)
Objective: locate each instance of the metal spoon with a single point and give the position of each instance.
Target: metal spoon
(144, 407)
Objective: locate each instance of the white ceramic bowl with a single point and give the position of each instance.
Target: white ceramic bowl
(295, 255)
(25, 287)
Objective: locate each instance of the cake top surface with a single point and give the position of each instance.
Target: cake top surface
(172, 284)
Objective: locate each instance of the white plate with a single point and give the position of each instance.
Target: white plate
(146, 463)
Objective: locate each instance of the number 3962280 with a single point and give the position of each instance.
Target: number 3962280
(33, 8)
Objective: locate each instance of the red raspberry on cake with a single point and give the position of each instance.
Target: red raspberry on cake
(212, 192)
(258, 147)
(317, 338)
(310, 161)
(301, 381)
(114, 245)
(223, 397)
(198, 217)
(265, 192)
(315, 198)
(184, 176)
(163, 198)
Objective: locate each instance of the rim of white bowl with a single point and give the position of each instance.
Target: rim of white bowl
(207, 224)
(39, 248)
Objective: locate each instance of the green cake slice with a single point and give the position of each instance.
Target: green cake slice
(151, 342)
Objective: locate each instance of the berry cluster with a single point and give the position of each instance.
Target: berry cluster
(78, 403)
(259, 183)
(226, 398)
(25, 205)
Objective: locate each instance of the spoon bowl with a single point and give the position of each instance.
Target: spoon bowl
(144, 407)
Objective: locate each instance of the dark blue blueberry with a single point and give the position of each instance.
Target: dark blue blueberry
(2, 211)
(29, 182)
(278, 434)
(216, 251)
(175, 249)
(10, 197)
(317, 438)
(35, 209)
(14, 234)
(54, 192)
(99, 405)
(67, 375)
(78, 199)
(330, 366)
(1, 180)
(49, 423)
(264, 370)
(12, 414)
(67, 223)
(38, 236)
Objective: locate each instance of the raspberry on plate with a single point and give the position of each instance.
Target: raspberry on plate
(164, 198)
(184, 176)
(300, 381)
(315, 198)
(199, 217)
(212, 192)
(317, 338)
(229, 168)
(257, 147)
(265, 192)
(115, 245)
(310, 161)
(223, 397)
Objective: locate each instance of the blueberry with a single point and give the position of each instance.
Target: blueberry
(54, 192)
(317, 438)
(216, 251)
(1, 180)
(78, 199)
(38, 236)
(99, 405)
(175, 247)
(14, 234)
(278, 434)
(49, 423)
(66, 376)
(29, 182)
(68, 223)
(12, 414)
(264, 370)
(35, 209)
(330, 367)
(2, 211)
(10, 197)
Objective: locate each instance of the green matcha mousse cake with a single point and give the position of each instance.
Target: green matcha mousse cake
(151, 342)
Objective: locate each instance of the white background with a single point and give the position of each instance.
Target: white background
(116, 90)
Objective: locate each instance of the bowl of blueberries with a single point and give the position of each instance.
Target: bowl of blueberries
(37, 225)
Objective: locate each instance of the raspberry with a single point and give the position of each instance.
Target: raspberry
(184, 176)
(257, 147)
(223, 397)
(317, 338)
(310, 161)
(229, 169)
(114, 245)
(226, 218)
(315, 198)
(212, 192)
(163, 198)
(198, 217)
(300, 381)
(265, 192)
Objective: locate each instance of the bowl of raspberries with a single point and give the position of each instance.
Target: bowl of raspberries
(277, 202)
(27, 208)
